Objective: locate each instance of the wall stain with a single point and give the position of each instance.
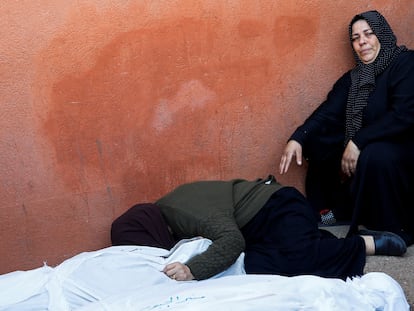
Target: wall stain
(292, 33)
(250, 28)
(172, 77)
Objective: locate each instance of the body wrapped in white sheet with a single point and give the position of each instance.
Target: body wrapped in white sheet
(130, 278)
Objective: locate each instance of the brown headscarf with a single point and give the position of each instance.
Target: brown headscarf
(142, 224)
(363, 75)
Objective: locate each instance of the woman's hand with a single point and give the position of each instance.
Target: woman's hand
(292, 149)
(350, 158)
(178, 271)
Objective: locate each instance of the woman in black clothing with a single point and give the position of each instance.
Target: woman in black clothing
(273, 225)
(359, 143)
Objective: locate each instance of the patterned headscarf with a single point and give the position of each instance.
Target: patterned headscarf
(363, 75)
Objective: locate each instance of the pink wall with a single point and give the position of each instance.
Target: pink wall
(103, 104)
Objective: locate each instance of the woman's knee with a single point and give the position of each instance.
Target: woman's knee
(379, 155)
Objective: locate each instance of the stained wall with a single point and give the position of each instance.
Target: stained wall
(104, 104)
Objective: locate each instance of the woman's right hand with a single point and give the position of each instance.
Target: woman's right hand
(292, 149)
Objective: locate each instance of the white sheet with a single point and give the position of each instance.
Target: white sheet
(129, 278)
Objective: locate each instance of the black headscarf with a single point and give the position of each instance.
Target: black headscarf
(363, 75)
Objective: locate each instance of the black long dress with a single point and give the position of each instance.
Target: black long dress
(380, 194)
(283, 238)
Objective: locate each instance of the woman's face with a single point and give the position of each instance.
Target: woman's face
(365, 43)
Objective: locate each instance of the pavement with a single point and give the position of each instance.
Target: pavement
(400, 269)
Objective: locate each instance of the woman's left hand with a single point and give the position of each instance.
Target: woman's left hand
(350, 158)
(178, 271)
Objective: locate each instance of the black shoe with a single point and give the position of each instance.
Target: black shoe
(386, 243)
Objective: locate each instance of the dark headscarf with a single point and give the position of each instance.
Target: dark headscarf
(142, 224)
(363, 75)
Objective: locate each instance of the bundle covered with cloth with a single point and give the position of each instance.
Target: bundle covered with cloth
(129, 278)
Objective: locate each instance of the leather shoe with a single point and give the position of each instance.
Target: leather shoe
(386, 243)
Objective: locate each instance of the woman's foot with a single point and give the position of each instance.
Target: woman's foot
(386, 243)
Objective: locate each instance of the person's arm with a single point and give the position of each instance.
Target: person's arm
(400, 116)
(220, 227)
(228, 244)
(205, 209)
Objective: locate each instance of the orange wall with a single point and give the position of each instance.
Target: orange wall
(104, 104)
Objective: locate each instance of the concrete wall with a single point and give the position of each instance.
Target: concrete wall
(104, 104)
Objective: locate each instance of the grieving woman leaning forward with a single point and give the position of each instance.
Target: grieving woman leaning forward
(359, 143)
(272, 224)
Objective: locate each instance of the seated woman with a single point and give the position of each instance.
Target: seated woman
(272, 224)
(359, 142)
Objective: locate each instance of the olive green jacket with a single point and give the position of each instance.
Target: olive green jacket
(215, 210)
